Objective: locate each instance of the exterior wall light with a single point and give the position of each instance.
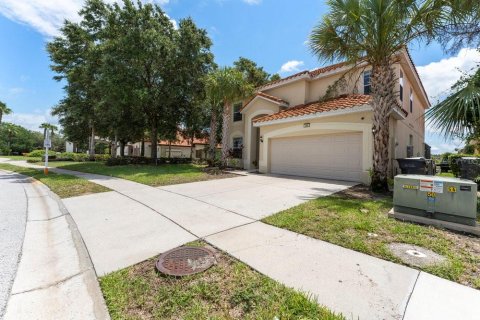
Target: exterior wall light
(261, 139)
(306, 125)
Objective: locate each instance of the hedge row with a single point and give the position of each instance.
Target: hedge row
(122, 161)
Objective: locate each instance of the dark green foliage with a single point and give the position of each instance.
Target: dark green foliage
(15, 139)
(122, 161)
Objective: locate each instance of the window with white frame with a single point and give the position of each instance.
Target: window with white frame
(367, 82)
(237, 116)
(401, 85)
(237, 147)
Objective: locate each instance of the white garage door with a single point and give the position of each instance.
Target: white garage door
(332, 156)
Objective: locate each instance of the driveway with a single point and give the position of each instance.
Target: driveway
(164, 218)
(257, 196)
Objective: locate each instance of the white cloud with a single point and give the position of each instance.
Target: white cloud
(291, 66)
(15, 91)
(47, 16)
(438, 77)
(31, 121)
(252, 2)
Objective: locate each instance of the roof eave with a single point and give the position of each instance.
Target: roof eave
(343, 111)
(281, 104)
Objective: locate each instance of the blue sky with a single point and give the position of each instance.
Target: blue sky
(270, 32)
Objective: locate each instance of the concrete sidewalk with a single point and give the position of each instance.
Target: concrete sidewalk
(357, 285)
(55, 277)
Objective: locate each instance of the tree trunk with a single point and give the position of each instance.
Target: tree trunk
(191, 147)
(113, 151)
(142, 148)
(154, 142)
(1, 116)
(225, 132)
(122, 149)
(91, 149)
(213, 137)
(384, 99)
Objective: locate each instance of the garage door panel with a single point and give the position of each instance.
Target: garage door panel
(323, 156)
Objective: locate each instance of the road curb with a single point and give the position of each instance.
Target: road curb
(87, 276)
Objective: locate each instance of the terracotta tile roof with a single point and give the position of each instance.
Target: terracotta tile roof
(342, 102)
(267, 96)
(312, 73)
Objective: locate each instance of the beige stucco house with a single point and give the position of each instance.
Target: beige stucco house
(284, 129)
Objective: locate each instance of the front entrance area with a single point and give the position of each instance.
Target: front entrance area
(328, 156)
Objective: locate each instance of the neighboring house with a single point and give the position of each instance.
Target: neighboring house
(181, 148)
(285, 129)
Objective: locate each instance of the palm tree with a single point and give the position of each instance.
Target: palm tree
(374, 31)
(47, 126)
(4, 110)
(225, 86)
(459, 113)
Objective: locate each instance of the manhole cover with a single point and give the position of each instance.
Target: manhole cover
(185, 260)
(415, 255)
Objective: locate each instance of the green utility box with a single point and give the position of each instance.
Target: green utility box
(442, 198)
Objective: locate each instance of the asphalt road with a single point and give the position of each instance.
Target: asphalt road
(13, 215)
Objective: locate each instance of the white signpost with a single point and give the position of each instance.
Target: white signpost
(47, 143)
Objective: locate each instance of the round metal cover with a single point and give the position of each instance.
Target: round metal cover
(185, 261)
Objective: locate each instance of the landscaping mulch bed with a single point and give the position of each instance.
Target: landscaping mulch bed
(228, 290)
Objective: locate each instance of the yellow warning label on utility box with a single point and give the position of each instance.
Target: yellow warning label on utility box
(452, 189)
(409, 186)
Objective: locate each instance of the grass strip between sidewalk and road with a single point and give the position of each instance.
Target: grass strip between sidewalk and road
(228, 290)
(357, 219)
(65, 186)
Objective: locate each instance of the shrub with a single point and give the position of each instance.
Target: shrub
(40, 153)
(452, 161)
(121, 161)
(102, 157)
(129, 160)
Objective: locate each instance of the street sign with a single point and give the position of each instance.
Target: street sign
(47, 143)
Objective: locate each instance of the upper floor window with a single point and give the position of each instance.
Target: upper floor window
(411, 100)
(237, 116)
(401, 85)
(367, 82)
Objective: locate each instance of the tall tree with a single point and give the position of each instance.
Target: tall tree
(48, 127)
(226, 86)
(194, 61)
(76, 57)
(4, 110)
(254, 74)
(374, 31)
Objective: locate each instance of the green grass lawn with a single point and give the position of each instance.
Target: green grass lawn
(361, 223)
(228, 290)
(151, 175)
(446, 174)
(64, 186)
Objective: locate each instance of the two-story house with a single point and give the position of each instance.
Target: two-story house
(288, 127)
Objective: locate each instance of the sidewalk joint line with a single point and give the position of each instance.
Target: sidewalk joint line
(52, 284)
(49, 219)
(410, 295)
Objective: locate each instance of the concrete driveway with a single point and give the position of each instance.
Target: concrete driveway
(257, 196)
(164, 218)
